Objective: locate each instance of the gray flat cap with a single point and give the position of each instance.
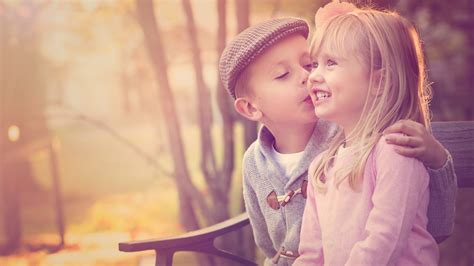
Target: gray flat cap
(253, 41)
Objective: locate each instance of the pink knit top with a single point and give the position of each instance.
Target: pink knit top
(382, 224)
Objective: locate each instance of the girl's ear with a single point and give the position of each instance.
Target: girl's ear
(377, 81)
(247, 109)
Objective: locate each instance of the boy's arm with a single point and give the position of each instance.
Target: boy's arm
(401, 186)
(257, 220)
(310, 248)
(442, 206)
(417, 142)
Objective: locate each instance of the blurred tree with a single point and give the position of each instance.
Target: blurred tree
(242, 10)
(447, 29)
(187, 191)
(217, 178)
(22, 105)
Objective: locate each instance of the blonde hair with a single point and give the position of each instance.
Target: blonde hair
(390, 48)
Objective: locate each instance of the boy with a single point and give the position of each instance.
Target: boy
(265, 69)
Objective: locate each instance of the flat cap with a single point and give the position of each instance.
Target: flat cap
(253, 41)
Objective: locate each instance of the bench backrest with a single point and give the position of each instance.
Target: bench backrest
(458, 138)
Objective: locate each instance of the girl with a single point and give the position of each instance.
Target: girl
(367, 205)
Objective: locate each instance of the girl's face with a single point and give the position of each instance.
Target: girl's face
(338, 86)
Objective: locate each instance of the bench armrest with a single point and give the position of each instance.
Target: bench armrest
(201, 240)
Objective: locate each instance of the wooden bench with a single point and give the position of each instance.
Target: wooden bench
(457, 137)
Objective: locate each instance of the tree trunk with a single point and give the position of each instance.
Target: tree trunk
(250, 134)
(22, 103)
(203, 96)
(11, 205)
(217, 178)
(242, 10)
(187, 192)
(58, 201)
(225, 108)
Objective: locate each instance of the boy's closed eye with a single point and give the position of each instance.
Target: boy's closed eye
(283, 75)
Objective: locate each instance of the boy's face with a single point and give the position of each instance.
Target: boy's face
(277, 83)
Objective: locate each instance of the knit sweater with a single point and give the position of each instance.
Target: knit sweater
(382, 223)
(273, 229)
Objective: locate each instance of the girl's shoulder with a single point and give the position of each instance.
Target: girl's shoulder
(384, 148)
(384, 154)
(387, 164)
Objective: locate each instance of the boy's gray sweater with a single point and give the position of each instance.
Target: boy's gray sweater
(274, 229)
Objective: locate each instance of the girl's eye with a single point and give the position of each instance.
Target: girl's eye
(308, 66)
(314, 65)
(331, 62)
(282, 76)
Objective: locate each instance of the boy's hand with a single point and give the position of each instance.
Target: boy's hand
(417, 142)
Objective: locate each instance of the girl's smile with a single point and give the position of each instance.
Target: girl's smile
(319, 95)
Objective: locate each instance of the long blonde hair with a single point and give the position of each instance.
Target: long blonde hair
(390, 48)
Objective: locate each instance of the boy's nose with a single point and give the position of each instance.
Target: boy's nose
(304, 77)
(304, 81)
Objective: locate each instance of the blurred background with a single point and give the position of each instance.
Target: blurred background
(114, 126)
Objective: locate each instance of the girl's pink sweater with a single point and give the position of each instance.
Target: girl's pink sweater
(382, 224)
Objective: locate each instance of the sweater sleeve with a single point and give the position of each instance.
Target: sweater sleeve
(400, 187)
(257, 220)
(442, 206)
(310, 248)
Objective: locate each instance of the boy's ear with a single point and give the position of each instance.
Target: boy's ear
(247, 109)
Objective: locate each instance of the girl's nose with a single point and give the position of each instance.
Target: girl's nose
(315, 77)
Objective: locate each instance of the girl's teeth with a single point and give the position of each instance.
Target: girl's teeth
(322, 95)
